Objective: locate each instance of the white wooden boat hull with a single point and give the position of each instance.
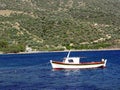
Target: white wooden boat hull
(61, 65)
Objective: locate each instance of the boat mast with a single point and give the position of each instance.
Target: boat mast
(68, 54)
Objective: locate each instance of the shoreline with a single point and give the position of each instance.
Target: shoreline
(63, 51)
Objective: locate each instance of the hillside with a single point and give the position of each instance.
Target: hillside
(59, 24)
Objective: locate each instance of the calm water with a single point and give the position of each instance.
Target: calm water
(34, 72)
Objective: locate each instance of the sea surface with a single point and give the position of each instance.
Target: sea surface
(34, 72)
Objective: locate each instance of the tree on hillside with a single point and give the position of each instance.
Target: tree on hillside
(3, 44)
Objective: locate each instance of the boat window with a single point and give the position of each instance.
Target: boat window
(70, 60)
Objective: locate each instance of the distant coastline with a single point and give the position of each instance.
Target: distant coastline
(63, 51)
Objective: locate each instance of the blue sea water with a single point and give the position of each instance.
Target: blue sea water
(34, 72)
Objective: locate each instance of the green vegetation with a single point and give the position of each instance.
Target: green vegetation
(11, 48)
(59, 24)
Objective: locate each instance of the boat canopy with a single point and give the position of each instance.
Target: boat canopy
(74, 60)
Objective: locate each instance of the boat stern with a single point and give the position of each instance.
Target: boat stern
(105, 61)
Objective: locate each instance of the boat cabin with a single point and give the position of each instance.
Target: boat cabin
(73, 60)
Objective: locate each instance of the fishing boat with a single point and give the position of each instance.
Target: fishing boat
(74, 63)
